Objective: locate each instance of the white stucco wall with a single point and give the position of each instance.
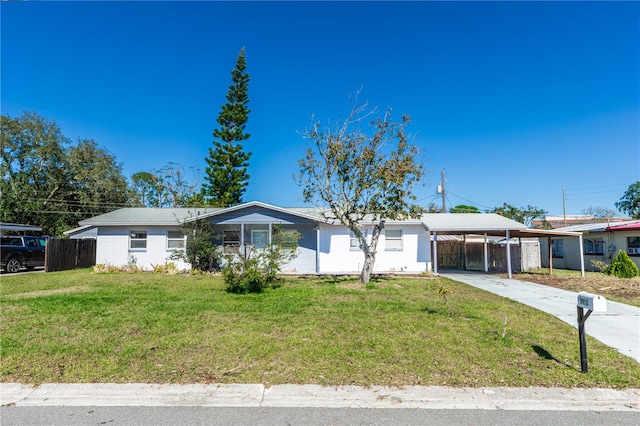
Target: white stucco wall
(336, 255)
(113, 247)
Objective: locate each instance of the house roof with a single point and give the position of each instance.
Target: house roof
(443, 223)
(306, 213)
(78, 229)
(18, 227)
(603, 227)
(452, 223)
(585, 227)
(145, 216)
(628, 226)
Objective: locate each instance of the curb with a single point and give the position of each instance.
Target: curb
(259, 395)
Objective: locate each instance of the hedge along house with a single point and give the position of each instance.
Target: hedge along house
(147, 237)
(601, 242)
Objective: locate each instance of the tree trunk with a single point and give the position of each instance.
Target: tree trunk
(370, 254)
(365, 274)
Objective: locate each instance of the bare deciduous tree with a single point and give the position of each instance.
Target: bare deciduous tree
(364, 177)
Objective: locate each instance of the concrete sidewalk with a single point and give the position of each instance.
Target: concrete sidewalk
(256, 395)
(619, 327)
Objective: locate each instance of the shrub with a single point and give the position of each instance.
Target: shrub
(622, 266)
(600, 265)
(166, 268)
(200, 251)
(258, 269)
(243, 275)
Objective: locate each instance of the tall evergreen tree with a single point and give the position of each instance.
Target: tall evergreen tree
(226, 177)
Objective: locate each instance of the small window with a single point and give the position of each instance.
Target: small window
(259, 238)
(231, 241)
(633, 246)
(393, 239)
(594, 246)
(354, 244)
(288, 238)
(175, 240)
(138, 240)
(32, 243)
(557, 248)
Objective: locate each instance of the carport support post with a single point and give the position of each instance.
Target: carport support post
(508, 255)
(550, 255)
(318, 249)
(435, 252)
(583, 338)
(581, 256)
(486, 254)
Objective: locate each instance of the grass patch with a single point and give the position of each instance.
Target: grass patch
(82, 327)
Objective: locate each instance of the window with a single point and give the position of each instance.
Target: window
(175, 239)
(138, 240)
(594, 246)
(259, 238)
(231, 241)
(354, 244)
(287, 238)
(393, 239)
(633, 246)
(557, 248)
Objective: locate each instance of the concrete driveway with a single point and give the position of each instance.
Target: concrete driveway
(619, 327)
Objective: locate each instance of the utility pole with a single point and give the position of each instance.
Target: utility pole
(564, 206)
(444, 195)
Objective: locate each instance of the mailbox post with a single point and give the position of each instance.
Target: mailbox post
(592, 303)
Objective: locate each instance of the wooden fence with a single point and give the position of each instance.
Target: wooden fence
(470, 256)
(65, 254)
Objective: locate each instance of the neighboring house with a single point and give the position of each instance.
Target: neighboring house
(601, 242)
(563, 222)
(147, 236)
(83, 232)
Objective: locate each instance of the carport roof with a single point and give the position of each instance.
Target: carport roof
(468, 223)
(485, 223)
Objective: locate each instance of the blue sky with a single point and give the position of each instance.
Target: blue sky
(514, 100)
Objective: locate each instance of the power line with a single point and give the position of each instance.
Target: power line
(472, 202)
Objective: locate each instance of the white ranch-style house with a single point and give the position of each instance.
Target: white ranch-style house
(148, 236)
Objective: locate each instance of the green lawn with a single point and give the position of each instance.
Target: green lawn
(83, 327)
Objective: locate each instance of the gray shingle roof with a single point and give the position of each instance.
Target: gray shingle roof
(442, 222)
(146, 216)
(449, 222)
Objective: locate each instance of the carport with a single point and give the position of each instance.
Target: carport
(489, 224)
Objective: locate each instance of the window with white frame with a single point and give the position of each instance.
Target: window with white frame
(138, 240)
(593, 246)
(259, 238)
(175, 240)
(393, 239)
(231, 240)
(286, 238)
(557, 248)
(354, 244)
